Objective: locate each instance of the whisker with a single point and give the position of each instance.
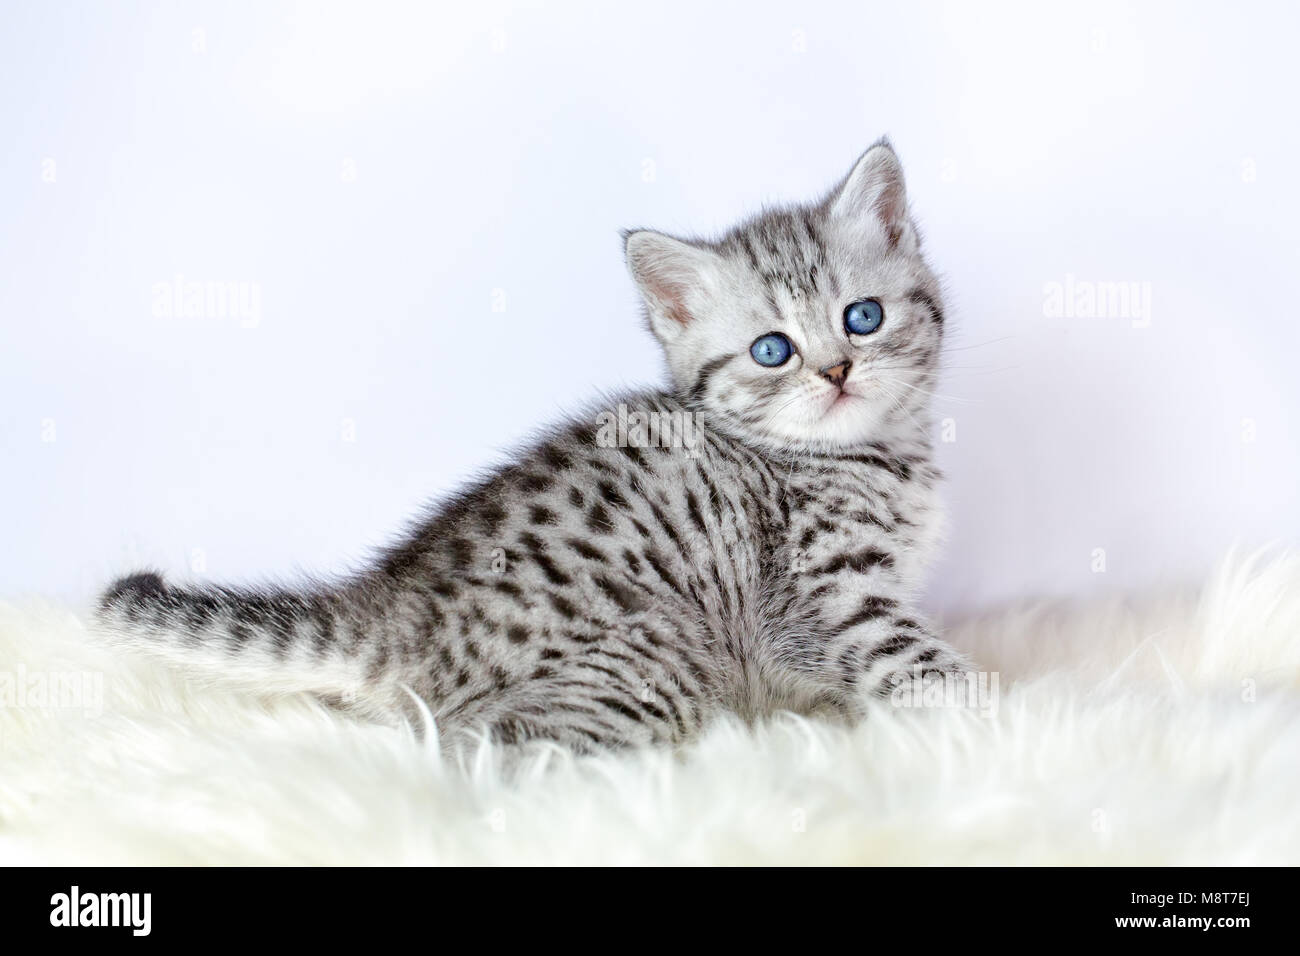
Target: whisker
(897, 402)
(977, 345)
(933, 394)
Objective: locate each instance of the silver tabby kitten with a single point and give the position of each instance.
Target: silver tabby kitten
(608, 589)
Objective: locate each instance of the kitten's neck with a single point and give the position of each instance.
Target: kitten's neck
(906, 433)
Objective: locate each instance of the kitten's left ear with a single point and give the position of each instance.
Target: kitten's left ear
(874, 193)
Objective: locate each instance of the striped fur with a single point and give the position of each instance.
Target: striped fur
(600, 592)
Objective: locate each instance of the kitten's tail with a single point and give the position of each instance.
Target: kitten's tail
(271, 641)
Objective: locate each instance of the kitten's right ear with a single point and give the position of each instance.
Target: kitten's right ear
(675, 278)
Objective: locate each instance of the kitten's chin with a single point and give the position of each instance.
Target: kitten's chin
(847, 419)
(844, 422)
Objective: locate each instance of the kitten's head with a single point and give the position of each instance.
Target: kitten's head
(813, 327)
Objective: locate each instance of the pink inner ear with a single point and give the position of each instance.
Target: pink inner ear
(875, 188)
(671, 296)
(890, 207)
(677, 312)
(680, 316)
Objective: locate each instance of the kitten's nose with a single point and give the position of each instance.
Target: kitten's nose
(837, 373)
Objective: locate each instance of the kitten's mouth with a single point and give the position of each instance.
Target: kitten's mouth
(839, 400)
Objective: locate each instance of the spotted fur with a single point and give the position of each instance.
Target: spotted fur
(600, 592)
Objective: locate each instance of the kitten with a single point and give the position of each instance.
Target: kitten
(750, 540)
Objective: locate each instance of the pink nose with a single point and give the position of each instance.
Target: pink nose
(837, 373)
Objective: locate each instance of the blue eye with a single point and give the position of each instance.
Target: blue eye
(771, 350)
(863, 318)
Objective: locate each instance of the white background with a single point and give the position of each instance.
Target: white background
(379, 171)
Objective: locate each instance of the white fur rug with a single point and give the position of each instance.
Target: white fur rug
(1154, 732)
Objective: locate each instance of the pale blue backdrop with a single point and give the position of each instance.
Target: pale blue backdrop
(419, 206)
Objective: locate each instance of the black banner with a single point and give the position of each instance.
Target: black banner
(307, 905)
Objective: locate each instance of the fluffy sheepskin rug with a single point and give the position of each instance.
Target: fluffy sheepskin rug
(1151, 732)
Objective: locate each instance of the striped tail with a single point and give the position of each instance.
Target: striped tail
(272, 641)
